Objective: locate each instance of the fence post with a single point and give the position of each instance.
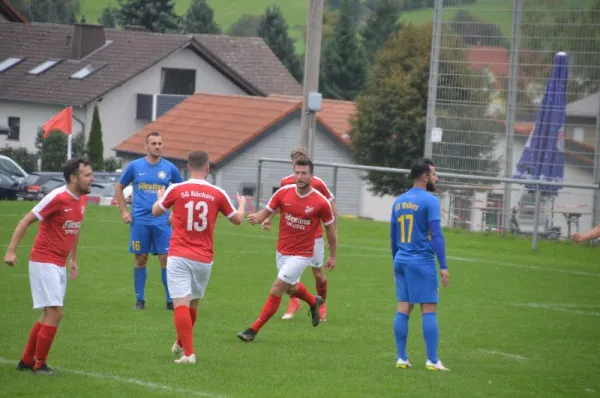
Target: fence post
(258, 175)
(536, 219)
(510, 112)
(335, 177)
(596, 205)
(434, 67)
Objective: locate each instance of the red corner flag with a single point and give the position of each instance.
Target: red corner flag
(62, 121)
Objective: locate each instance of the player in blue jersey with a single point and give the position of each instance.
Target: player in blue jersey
(148, 234)
(416, 237)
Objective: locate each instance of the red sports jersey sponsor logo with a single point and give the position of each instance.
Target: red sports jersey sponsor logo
(317, 184)
(61, 215)
(301, 217)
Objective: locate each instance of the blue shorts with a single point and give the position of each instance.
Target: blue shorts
(144, 239)
(416, 281)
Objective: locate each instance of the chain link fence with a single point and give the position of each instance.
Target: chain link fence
(491, 62)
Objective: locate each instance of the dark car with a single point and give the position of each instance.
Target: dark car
(31, 187)
(9, 187)
(50, 185)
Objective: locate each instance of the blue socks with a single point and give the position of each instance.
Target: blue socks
(401, 334)
(431, 335)
(139, 282)
(163, 273)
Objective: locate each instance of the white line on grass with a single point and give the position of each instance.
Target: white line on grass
(555, 308)
(147, 384)
(503, 354)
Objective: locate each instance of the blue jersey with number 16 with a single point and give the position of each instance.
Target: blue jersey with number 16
(147, 179)
(411, 214)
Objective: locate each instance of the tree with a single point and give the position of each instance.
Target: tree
(383, 22)
(112, 164)
(477, 31)
(330, 19)
(274, 30)
(575, 31)
(54, 11)
(199, 18)
(53, 149)
(355, 8)
(391, 114)
(246, 25)
(109, 16)
(390, 119)
(95, 147)
(344, 68)
(154, 15)
(25, 159)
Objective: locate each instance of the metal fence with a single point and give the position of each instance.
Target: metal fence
(469, 201)
(489, 68)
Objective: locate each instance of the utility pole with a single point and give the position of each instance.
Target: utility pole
(312, 63)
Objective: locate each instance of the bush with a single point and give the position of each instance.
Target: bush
(27, 160)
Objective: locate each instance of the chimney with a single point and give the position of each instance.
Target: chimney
(135, 28)
(87, 38)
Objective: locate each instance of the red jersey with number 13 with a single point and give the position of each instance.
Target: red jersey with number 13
(196, 206)
(317, 184)
(300, 216)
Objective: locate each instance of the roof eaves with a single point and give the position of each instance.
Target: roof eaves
(222, 67)
(11, 12)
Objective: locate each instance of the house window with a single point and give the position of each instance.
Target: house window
(275, 189)
(248, 189)
(14, 128)
(43, 67)
(85, 72)
(178, 81)
(578, 134)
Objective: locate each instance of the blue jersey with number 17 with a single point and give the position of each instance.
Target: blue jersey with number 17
(147, 179)
(411, 214)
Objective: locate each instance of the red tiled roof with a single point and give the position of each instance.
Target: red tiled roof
(223, 124)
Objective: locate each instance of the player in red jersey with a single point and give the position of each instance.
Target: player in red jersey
(196, 205)
(302, 208)
(317, 264)
(60, 214)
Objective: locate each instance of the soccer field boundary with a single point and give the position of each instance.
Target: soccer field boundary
(127, 380)
(557, 308)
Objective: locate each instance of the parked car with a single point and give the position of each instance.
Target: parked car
(31, 187)
(102, 193)
(50, 185)
(10, 167)
(9, 186)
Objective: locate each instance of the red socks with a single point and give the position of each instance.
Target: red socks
(305, 295)
(194, 316)
(322, 289)
(183, 324)
(269, 309)
(29, 352)
(43, 343)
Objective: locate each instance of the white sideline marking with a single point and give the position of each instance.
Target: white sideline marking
(141, 383)
(556, 308)
(504, 354)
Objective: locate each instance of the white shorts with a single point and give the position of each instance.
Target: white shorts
(187, 277)
(48, 284)
(318, 253)
(290, 268)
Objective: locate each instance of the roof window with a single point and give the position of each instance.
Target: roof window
(9, 63)
(85, 72)
(43, 67)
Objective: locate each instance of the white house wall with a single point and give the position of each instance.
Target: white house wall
(32, 116)
(243, 168)
(118, 107)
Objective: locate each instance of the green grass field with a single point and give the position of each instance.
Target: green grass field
(512, 323)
